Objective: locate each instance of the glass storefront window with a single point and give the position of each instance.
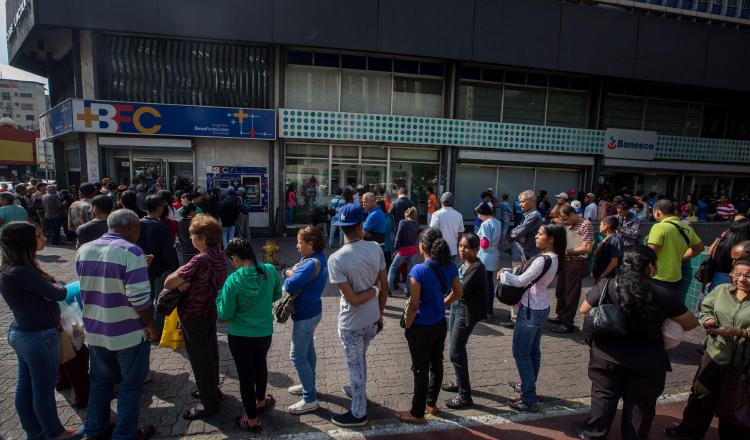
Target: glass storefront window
(415, 177)
(480, 102)
(422, 155)
(365, 92)
(417, 96)
(307, 150)
(624, 112)
(524, 105)
(311, 88)
(345, 152)
(309, 180)
(180, 175)
(567, 109)
(666, 117)
(122, 170)
(377, 153)
(146, 171)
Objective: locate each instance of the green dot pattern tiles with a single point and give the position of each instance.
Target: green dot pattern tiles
(395, 129)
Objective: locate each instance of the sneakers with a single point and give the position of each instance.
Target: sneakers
(347, 420)
(347, 390)
(523, 406)
(303, 407)
(515, 386)
(295, 390)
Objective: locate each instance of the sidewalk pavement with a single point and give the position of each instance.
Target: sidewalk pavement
(563, 384)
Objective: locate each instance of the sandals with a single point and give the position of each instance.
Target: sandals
(198, 412)
(268, 403)
(451, 387)
(243, 422)
(515, 386)
(459, 402)
(406, 417)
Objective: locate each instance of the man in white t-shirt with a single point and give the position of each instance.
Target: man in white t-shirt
(358, 269)
(449, 221)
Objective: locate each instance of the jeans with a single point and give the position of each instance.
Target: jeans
(335, 230)
(429, 219)
(460, 331)
(38, 359)
(53, 229)
(490, 292)
(527, 336)
(302, 355)
(393, 269)
(250, 357)
(355, 344)
(426, 344)
(130, 365)
(505, 227)
(289, 215)
(227, 234)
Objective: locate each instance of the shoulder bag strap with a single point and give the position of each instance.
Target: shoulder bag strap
(682, 232)
(443, 288)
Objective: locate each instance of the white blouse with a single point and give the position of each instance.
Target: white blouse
(536, 295)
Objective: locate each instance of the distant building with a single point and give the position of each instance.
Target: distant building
(22, 101)
(18, 158)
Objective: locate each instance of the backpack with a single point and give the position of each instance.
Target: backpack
(284, 308)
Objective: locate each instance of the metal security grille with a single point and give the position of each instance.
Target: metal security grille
(183, 72)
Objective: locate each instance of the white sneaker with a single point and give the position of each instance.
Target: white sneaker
(303, 407)
(295, 390)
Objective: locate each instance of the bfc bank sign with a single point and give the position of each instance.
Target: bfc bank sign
(80, 115)
(630, 144)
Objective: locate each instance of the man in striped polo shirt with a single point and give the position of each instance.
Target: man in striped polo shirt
(118, 318)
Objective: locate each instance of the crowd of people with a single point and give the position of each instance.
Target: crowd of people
(132, 244)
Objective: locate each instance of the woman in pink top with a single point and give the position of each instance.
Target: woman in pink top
(431, 204)
(291, 203)
(405, 246)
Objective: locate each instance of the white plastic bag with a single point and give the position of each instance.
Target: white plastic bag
(71, 320)
(672, 333)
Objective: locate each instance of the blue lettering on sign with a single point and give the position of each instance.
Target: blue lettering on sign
(635, 145)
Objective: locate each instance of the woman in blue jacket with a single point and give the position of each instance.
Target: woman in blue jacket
(308, 277)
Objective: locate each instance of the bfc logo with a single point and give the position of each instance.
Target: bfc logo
(116, 118)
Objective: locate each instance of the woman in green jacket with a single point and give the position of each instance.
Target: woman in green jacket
(245, 303)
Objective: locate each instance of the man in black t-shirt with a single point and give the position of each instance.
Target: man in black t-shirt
(399, 207)
(101, 206)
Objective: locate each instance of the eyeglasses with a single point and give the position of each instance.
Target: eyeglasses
(742, 275)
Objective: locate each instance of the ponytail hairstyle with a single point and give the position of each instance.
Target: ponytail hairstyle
(635, 294)
(242, 249)
(432, 240)
(556, 231)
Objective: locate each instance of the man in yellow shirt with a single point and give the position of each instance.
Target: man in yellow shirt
(673, 242)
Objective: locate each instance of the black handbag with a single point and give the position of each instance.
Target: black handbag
(511, 295)
(605, 319)
(168, 300)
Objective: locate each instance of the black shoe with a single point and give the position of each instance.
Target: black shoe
(451, 387)
(579, 430)
(563, 329)
(197, 395)
(554, 321)
(347, 420)
(460, 402)
(676, 432)
(508, 324)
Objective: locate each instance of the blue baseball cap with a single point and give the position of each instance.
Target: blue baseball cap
(350, 215)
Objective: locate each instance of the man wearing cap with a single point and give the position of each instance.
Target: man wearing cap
(374, 226)
(629, 223)
(80, 211)
(590, 210)
(358, 269)
(562, 200)
(449, 221)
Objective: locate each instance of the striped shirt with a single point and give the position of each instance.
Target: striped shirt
(585, 231)
(114, 287)
(726, 212)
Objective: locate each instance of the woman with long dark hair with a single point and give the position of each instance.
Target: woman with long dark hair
(464, 315)
(721, 251)
(31, 295)
(129, 200)
(632, 367)
(426, 328)
(533, 310)
(246, 304)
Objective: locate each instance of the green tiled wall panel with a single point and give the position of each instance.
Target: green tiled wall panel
(395, 129)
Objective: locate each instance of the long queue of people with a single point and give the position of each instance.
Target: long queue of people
(122, 270)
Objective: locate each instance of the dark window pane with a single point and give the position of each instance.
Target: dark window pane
(714, 118)
(536, 79)
(380, 64)
(406, 66)
(580, 84)
(623, 112)
(515, 77)
(480, 102)
(353, 62)
(299, 57)
(432, 69)
(495, 75)
(326, 59)
(470, 72)
(559, 82)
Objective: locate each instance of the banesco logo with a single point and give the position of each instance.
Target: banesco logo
(629, 145)
(612, 143)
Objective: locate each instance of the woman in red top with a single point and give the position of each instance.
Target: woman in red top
(291, 203)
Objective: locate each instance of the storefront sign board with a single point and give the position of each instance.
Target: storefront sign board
(630, 144)
(253, 179)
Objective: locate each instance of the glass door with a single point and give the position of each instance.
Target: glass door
(180, 175)
(146, 171)
(373, 177)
